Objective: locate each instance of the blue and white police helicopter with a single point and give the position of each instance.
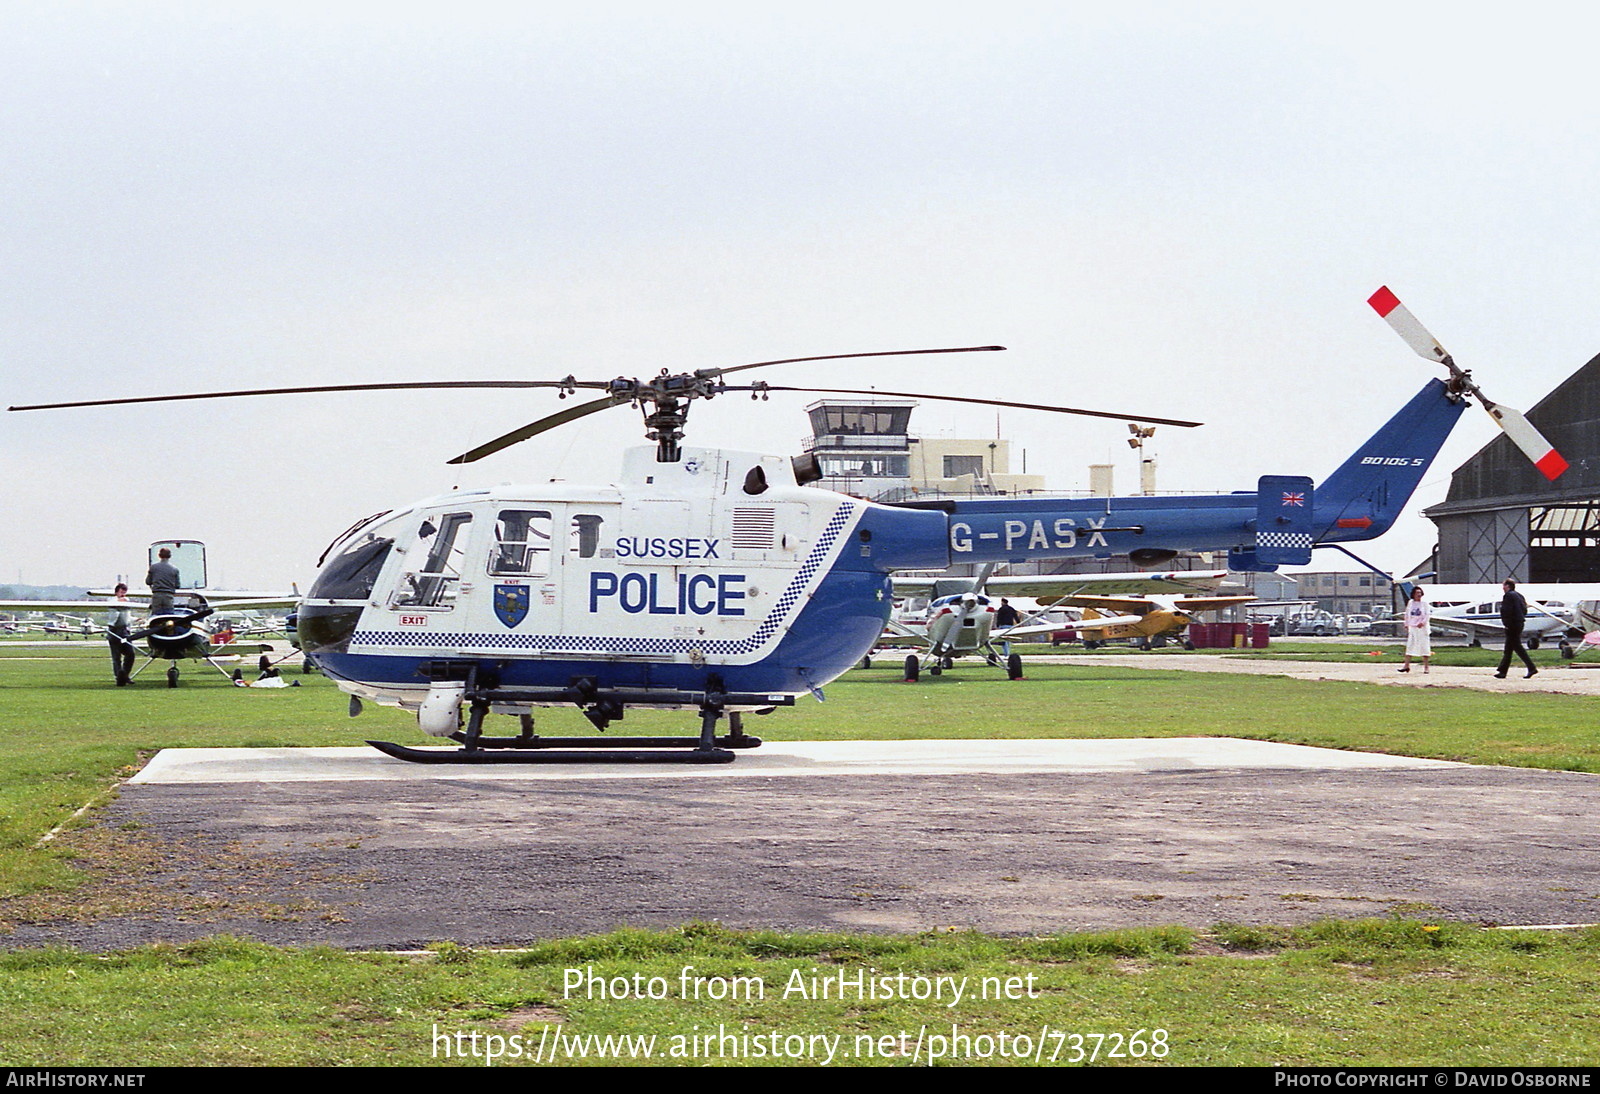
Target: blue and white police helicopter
(721, 581)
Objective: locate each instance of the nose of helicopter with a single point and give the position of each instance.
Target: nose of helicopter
(327, 627)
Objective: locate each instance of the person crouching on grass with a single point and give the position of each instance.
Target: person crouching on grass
(1418, 619)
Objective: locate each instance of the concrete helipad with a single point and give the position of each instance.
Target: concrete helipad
(282, 765)
(347, 847)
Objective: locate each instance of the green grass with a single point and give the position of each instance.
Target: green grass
(1370, 993)
(1393, 992)
(1106, 700)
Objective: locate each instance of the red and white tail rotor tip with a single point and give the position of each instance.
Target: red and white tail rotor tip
(1398, 316)
(1516, 425)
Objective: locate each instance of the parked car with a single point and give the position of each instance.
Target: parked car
(1314, 623)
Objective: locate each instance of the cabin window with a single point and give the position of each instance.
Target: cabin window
(522, 543)
(586, 534)
(434, 586)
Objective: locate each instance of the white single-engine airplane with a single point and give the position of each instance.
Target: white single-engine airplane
(721, 581)
(178, 634)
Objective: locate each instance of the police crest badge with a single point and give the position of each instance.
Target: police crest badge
(511, 603)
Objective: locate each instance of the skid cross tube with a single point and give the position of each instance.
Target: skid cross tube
(602, 706)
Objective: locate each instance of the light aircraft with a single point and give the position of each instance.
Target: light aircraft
(961, 617)
(70, 626)
(1151, 619)
(720, 581)
(179, 634)
(1474, 609)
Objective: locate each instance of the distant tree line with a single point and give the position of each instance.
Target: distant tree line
(42, 592)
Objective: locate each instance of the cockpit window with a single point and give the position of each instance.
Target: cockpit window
(434, 586)
(351, 574)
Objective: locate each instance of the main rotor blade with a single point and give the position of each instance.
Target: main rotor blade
(533, 429)
(844, 356)
(408, 386)
(984, 402)
(1541, 452)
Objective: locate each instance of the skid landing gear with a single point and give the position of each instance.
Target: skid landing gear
(602, 708)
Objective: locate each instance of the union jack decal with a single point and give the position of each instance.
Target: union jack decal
(1294, 499)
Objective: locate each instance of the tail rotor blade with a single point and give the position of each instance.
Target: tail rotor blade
(1523, 434)
(1516, 425)
(1398, 316)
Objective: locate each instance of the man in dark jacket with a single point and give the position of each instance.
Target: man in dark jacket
(1513, 614)
(163, 582)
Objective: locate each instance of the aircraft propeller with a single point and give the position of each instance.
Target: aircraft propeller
(664, 399)
(1516, 425)
(171, 625)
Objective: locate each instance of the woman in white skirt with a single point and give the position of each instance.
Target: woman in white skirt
(1418, 619)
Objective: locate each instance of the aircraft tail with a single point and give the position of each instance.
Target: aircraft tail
(1363, 498)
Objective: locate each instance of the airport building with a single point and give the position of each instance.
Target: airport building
(1502, 518)
(1344, 592)
(866, 449)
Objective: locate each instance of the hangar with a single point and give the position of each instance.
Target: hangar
(1501, 517)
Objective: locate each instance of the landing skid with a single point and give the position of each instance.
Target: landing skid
(601, 707)
(572, 750)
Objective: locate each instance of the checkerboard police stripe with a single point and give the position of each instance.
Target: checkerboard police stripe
(1285, 539)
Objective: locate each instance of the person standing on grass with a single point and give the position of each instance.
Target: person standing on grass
(1514, 615)
(118, 628)
(1419, 618)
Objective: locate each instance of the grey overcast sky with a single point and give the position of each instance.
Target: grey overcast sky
(1178, 209)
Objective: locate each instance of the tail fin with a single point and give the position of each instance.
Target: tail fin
(1363, 498)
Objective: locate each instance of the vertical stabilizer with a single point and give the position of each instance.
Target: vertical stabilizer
(1363, 498)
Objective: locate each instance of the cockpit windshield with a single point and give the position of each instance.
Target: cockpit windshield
(351, 573)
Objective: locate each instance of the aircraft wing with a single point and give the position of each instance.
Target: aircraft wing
(1049, 586)
(1139, 605)
(241, 648)
(142, 605)
(889, 641)
(1098, 623)
(85, 606)
(1473, 628)
(214, 595)
(897, 635)
(1033, 630)
(1538, 623)
(1192, 604)
(235, 605)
